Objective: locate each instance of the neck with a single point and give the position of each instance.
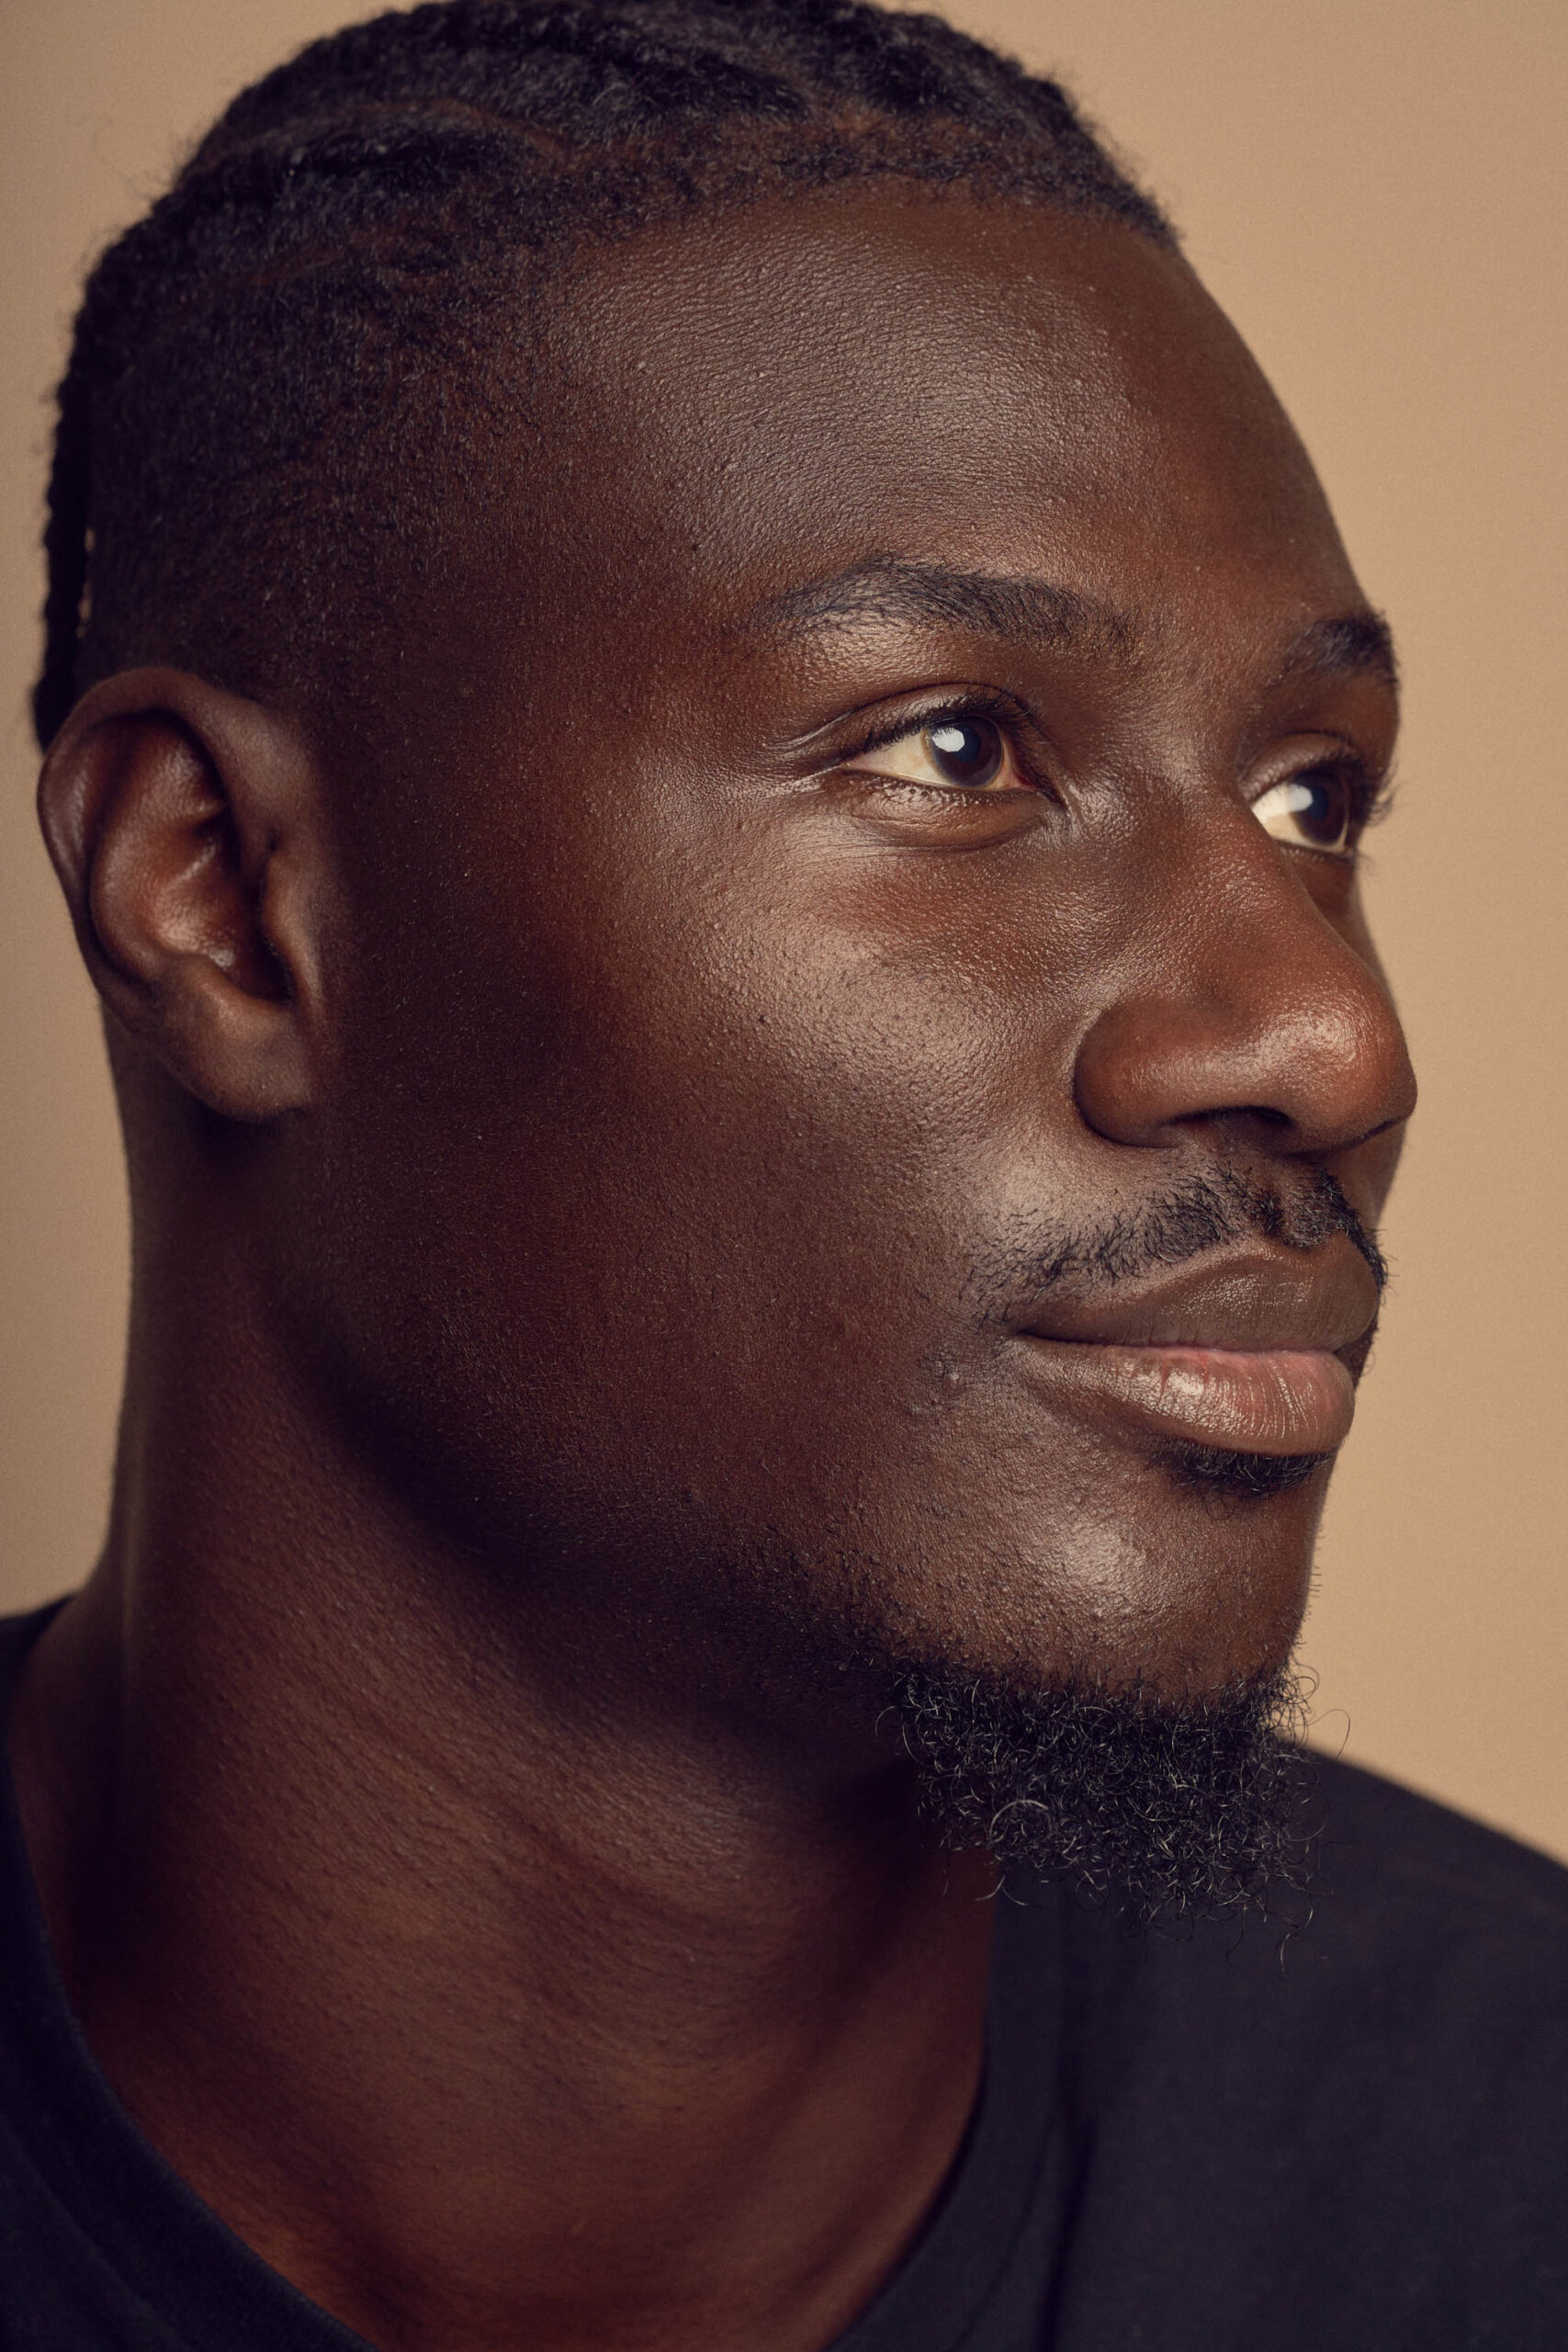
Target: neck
(490, 2003)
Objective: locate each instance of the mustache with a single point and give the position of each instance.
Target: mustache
(1202, 1212)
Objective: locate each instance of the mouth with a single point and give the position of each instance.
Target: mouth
(1257, 1354)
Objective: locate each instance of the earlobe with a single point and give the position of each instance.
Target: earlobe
(181, 820)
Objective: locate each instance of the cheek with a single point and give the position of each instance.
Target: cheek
(677, 1174)
(675, 1214)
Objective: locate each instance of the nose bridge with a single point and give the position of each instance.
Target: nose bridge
(1242, 996)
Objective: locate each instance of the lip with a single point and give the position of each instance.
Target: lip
(1257, 1353)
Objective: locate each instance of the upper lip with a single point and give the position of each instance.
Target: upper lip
(1254, 1301)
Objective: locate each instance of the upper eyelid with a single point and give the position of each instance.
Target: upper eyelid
(961, 702)
(1377, 786)
(1372, 799)
(1031, 773)
(1371, 781)
(859, 730)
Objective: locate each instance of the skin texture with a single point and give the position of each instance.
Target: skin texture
(594, 1130)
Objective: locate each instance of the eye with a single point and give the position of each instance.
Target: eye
(950, 750)
(1316, 809)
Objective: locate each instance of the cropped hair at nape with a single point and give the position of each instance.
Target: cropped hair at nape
(271, 369)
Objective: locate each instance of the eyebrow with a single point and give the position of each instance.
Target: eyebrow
(1037, 612)
(1351, 645)
(1040, 613)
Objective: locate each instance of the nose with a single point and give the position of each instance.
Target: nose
(1245, 1001)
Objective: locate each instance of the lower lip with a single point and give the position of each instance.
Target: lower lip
(1275, 1401)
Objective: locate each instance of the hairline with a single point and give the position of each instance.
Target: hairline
(509, 320)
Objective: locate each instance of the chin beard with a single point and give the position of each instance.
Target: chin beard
(1169, 1808)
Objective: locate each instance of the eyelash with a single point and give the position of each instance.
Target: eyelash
(975, 703)
(1371, 797)
(1369, 794)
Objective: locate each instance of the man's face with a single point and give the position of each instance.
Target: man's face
(855, 991)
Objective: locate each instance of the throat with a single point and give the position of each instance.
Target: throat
(669, 2067)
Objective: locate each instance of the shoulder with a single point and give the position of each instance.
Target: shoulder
(1355, 2112)
(1413, 1859)
(1404, 2026)
(1444, 1927)
(1433, 1960)
(1422, 1933)
(17, 1635)
(1407, 1893)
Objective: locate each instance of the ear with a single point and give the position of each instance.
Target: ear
(185, 827)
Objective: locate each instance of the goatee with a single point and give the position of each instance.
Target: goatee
(1169, 1808)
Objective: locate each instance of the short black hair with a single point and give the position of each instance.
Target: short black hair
(297, 334)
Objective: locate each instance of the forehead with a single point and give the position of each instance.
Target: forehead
(769, 398)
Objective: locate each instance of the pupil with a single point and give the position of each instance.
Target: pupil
(965, 750)
(1320, 809)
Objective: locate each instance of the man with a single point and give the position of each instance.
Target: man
(708, 740)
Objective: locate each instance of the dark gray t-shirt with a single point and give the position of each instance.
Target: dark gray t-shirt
(1353, 2136)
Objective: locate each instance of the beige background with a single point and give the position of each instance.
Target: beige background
(1375, 188)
